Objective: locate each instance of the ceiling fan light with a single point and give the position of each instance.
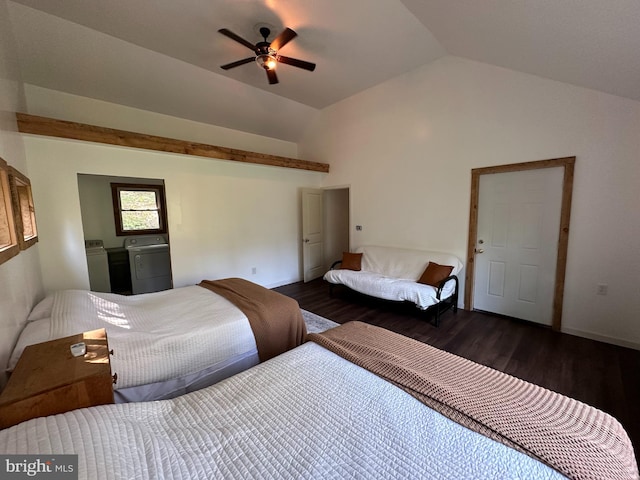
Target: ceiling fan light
(266, 61)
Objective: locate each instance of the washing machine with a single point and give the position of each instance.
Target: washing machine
(98, 265)
(149, 262)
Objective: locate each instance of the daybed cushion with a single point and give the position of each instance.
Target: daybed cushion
(434, 274)
(351, 261)
(403, 262)
(391, 273)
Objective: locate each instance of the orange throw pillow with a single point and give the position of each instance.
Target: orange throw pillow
(351, 261)
(434, 274)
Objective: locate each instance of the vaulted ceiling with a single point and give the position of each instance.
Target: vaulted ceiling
(165, 55)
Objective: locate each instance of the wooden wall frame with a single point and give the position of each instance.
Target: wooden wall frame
(9, 247)
(568, 163)
(23, 209)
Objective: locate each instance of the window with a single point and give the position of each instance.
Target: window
(25, 215)
(139, 209)
(8, 239)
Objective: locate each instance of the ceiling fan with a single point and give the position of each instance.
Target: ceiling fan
(266, 53)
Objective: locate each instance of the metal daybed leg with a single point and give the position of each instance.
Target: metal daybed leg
(455, 297)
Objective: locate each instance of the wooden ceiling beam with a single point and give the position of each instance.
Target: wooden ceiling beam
(90, 133)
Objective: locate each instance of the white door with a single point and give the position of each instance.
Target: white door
(517, 243)
(312, 236)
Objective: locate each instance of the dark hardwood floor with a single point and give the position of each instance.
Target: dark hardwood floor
(599, 374)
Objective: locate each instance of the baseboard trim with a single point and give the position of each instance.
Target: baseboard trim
(601, 338)
(282, 283)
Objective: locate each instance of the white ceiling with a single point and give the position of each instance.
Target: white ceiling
(165, 55)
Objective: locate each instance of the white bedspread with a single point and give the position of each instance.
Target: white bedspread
(157, 336)
(304, 414)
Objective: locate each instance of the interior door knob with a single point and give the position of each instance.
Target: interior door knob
(479, 250)
(306, 240)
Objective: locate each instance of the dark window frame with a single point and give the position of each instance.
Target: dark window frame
(158, 189)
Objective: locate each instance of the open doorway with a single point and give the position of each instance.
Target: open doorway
(325, 229)
(127, 252)
(336, 222)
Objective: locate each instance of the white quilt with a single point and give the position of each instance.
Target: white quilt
(304, 414)
(157, 336)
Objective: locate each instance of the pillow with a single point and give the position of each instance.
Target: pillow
(351, 261)
(41, 310)
(434, 274)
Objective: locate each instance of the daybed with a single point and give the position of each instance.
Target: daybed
(413, 411)
(427, 279)
(176, 341)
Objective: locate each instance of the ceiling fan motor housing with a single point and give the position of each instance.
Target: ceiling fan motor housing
(264, 48)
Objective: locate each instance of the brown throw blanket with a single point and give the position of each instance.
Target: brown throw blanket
(576, 439)
(276, 320)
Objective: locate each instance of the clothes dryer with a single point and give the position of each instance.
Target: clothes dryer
(150, 263)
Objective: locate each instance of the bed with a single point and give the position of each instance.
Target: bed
(317, 412)
(176, 341)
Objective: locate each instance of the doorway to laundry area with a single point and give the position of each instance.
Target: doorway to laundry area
(125, 259)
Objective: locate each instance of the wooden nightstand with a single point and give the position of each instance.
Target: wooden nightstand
(49, 380)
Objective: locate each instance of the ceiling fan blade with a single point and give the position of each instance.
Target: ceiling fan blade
(273, 78)
(238, 63)
(237, 38)
(281, 40)
(296, 63)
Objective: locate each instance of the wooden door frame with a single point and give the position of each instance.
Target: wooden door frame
(568, 163)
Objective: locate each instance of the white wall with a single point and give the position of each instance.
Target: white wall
(407, 147)
(225, 218)
(64, 106)
(20, 282)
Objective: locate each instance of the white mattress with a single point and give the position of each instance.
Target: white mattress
(165, 343)
(304, 414)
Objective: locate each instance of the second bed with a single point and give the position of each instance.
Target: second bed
(176, 341)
